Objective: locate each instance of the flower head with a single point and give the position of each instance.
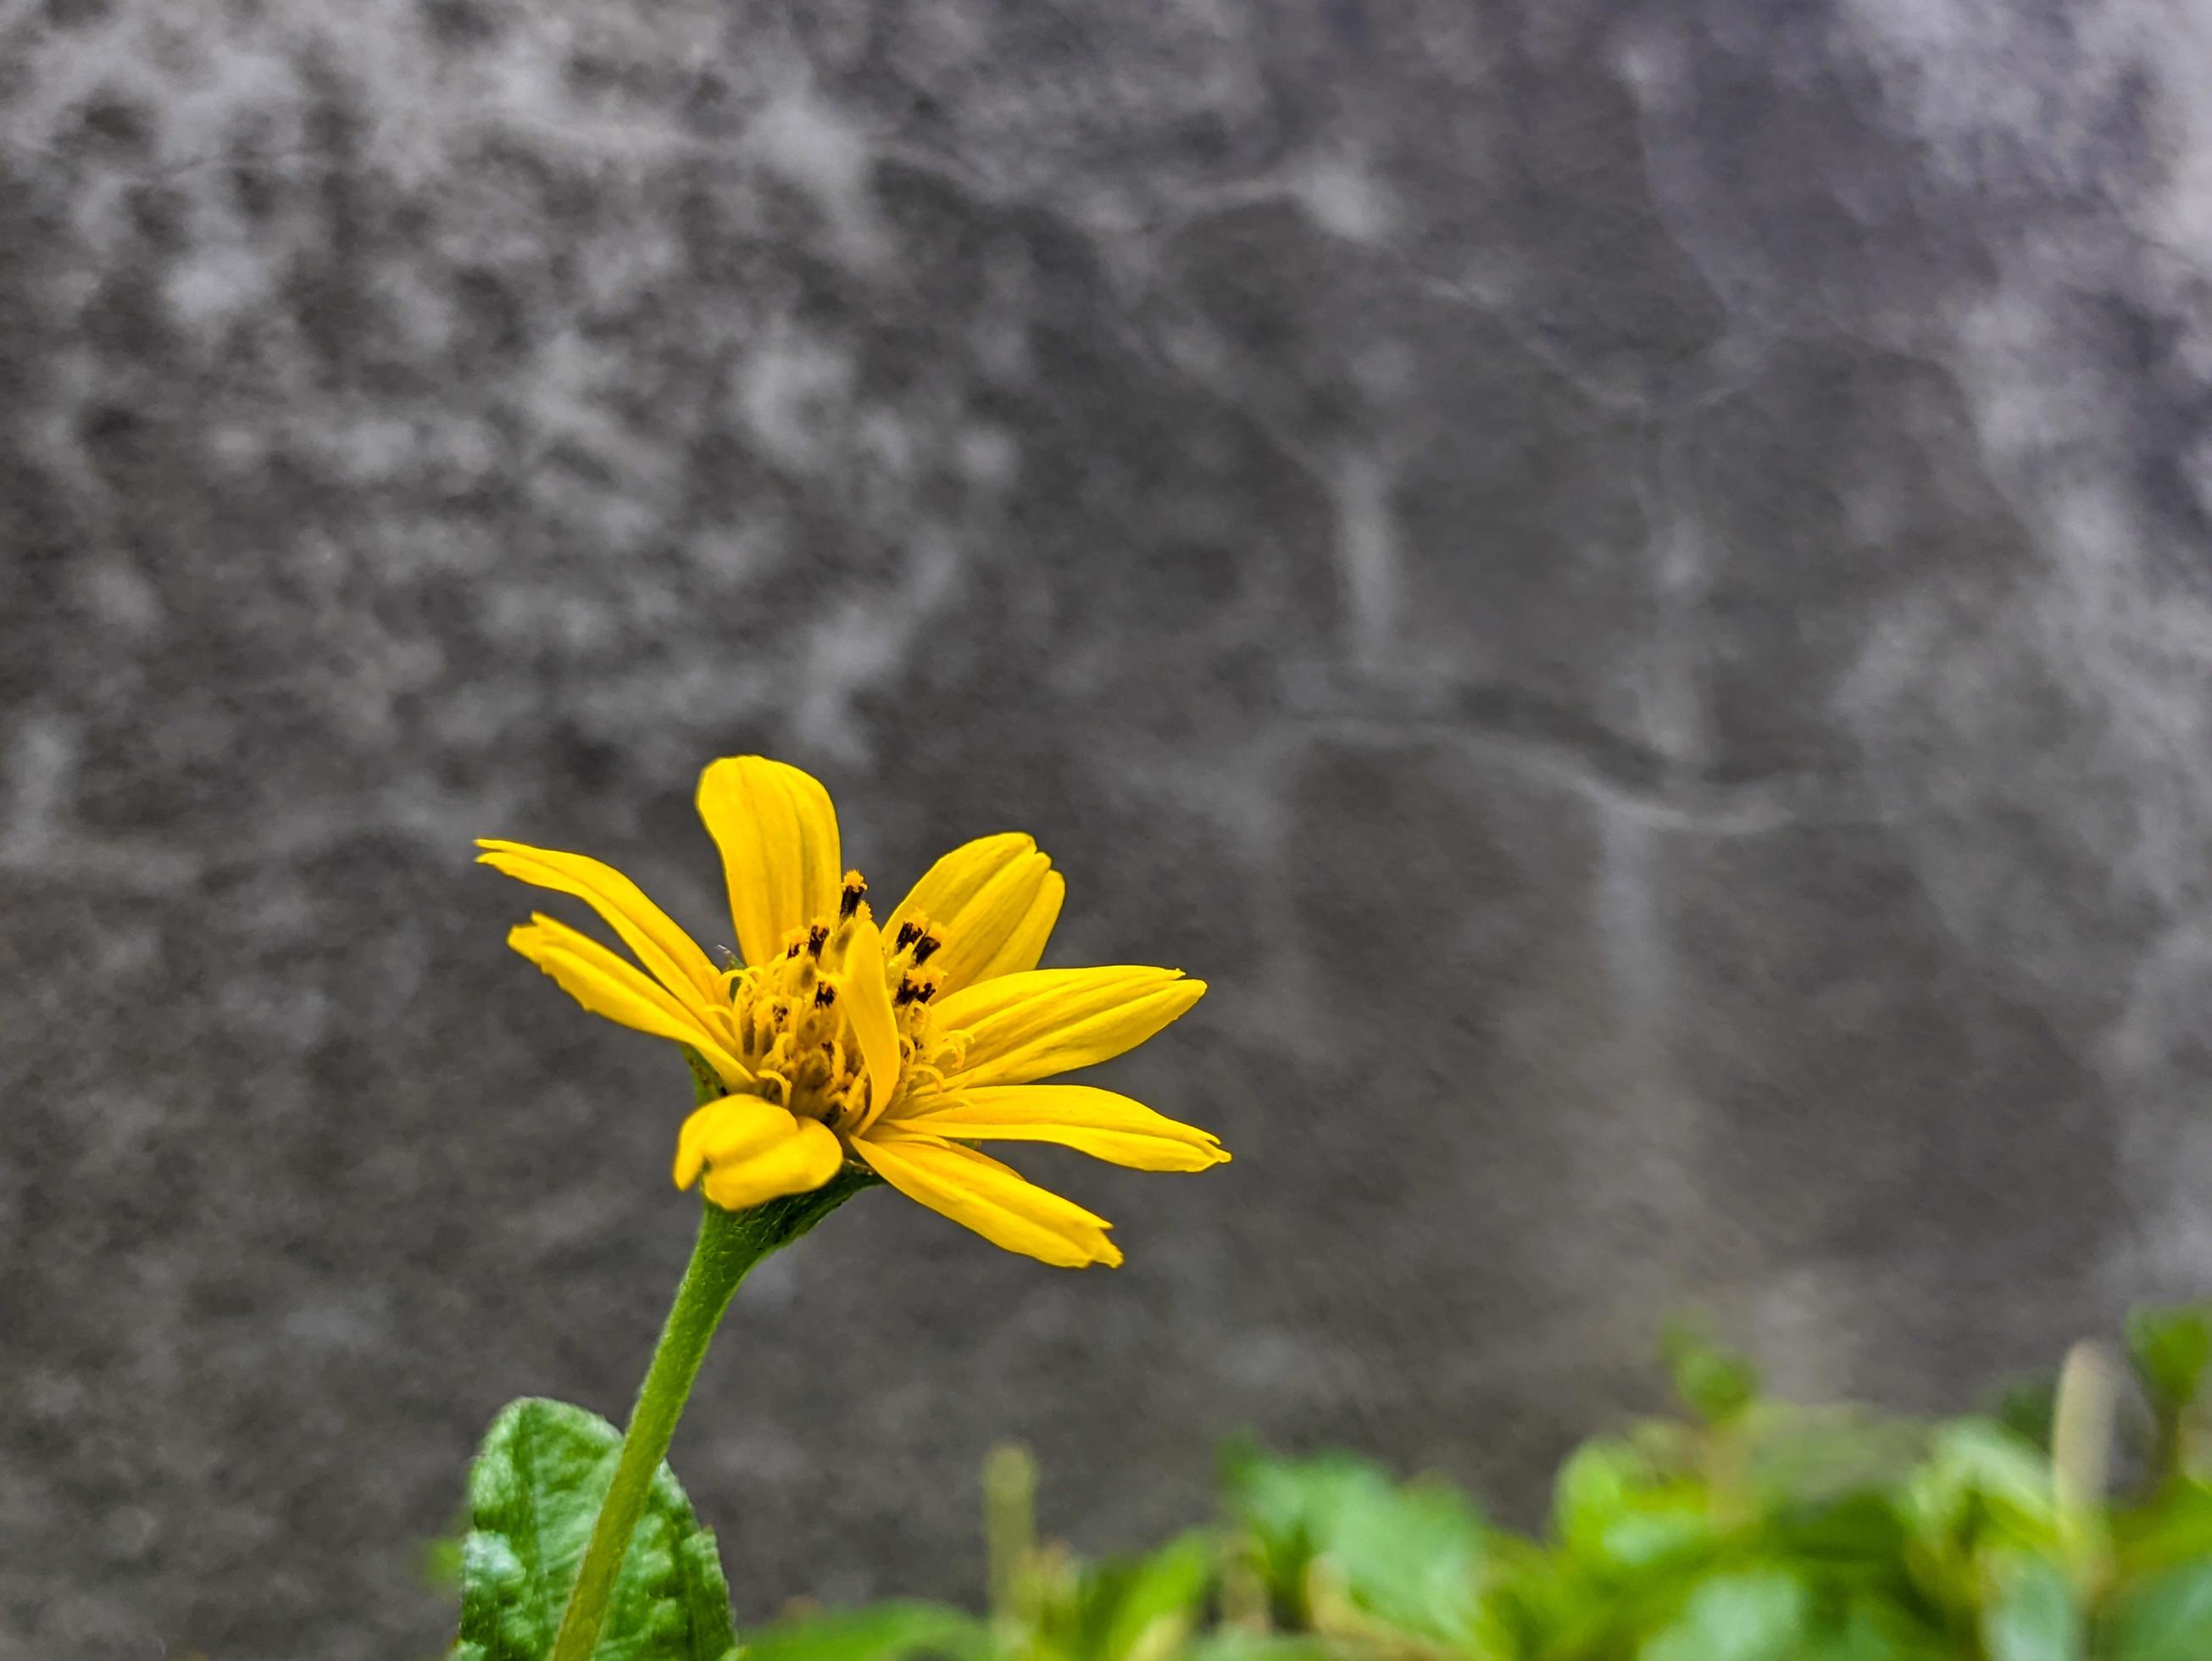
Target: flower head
(894, 1046)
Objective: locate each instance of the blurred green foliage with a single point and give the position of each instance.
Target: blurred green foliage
(1743, 1529)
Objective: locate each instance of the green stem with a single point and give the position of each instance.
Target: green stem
(730, 1243)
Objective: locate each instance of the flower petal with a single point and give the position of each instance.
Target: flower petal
(1036, 1023)
(753, 1150)
(1095, 1122)
(1024, 942)
(756, 1153)
(606, 985)
(1000, 1204)
(727, 1130)
(661, 944)
(778, 833)
(947, 886)
(992, 903)
(867, 1004)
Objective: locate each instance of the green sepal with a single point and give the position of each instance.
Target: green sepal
(534, 1491)
(707, 1084)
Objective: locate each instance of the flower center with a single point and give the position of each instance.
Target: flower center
(792, 1027)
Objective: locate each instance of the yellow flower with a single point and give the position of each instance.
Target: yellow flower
(896, 1047)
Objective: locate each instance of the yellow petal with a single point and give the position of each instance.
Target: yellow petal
(867, 1004)
(977, 1192)
(1098, 1122)
(728, 1130)
(605, 984)
(767, 1160)
(948, 885)
(1024, 942)
(778, 833)
(1034, 1024)
(663, 948)
(992, 903)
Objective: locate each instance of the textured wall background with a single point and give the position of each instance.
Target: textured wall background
(1629, 581)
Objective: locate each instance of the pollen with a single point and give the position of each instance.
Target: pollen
(793, 1024)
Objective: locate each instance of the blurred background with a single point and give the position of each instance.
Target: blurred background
(1627, 581)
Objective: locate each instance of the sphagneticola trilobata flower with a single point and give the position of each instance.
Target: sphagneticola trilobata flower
(896, 1046)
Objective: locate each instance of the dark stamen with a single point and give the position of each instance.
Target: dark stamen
(825, 995)
(924, 947)
(816, 938)
(850, 901)
(909, 933)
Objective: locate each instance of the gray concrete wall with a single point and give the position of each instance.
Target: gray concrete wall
(1628, 581)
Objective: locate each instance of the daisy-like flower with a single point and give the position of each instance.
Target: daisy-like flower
(894, 1046)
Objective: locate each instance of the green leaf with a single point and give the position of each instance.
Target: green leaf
(1715, 1384)
(1981, 1482)
(1756, 1615)
(887, 1632)
(2026, 1407)
(2176, 1528)
(1874, 1630)
(2171, 1349)
(1147, 1607)
(2032, 1616)
(1611, 1506)
(2166, 1618)
(1409, 1556)
(1231, 1644)
(533, 1493)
